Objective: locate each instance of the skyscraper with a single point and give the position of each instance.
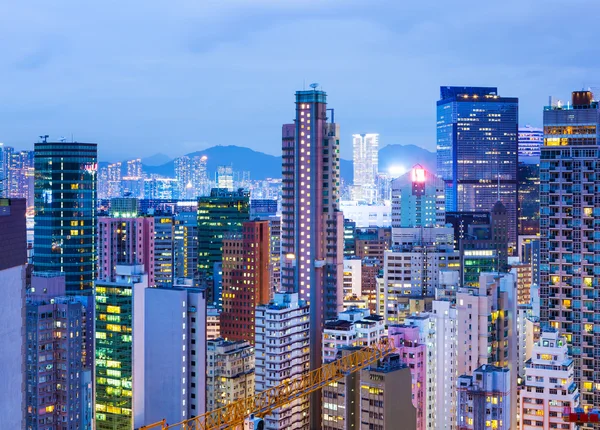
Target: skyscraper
(312, 233)
(477, 150)
(246, 279)
(569, 215)
(65, 212)
(366, 166)
(531, 140)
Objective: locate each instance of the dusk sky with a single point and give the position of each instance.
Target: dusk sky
(142, 77)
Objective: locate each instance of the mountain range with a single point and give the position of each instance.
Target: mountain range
(392, 158)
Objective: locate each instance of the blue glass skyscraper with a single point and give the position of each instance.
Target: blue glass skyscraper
(65, 212)
(477, 146)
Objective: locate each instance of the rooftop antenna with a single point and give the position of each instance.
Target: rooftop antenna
(62, 139)
(314, 86)
(44, 138)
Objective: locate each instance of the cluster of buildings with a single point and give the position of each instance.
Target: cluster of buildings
(135, 310)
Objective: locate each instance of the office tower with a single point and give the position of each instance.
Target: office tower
(569, 283)
(125, 241)
(65, 212)
(482, 239)
(246, 279)
(353, 327)
(349, 238)
(220, 213)
(57, 391)
(369, 271)
(286, 318)
(225, 177)
(377, 397)
(275, 267)
(529, 253)
(213, 322)
(549, 386)
(352, 281)
(531, 140)
(483, 399)
(312, 224)
(477, 150)
(114, 180)
(18, 177)
(124, 207)
(160, 188)
(262, 208)
(411, 270)
(229, 372)
(13, 257)
(150, 359)
(366, 166)
(373, 242)
(185, 245)
(418, 199)
(411, 345)
(163, 250)
(529, 198)
(3, 170)
(134, 168)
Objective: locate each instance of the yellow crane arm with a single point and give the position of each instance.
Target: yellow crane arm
(265, 402)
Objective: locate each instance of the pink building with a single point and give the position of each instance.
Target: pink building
(413, 352)
(125, 241)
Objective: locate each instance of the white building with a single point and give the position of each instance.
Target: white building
(442, 367)
(352, 277)
(549, 384)
(213, 323)
(282, 352)
(411, 269)
(484, 399)
(374, 215)
(354, 327)
(366, 165)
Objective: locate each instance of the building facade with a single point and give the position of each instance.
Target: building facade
(65, 212)
(282, 346)
(569, 211)
(477, 150)
(366, 166)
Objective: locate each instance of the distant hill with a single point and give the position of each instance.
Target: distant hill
(156, 160)
(262, 166)
(406, 156)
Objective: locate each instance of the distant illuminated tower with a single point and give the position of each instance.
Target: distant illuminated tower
(134, 168)
(225, 177)
(477, 150)
(65, 212)
(366, 162)
(531, 140)
(183, 175)
(199, 177)
(114, 180)
(418, 199)
(312, 234)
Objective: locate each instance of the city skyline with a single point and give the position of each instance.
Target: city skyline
(120, 111)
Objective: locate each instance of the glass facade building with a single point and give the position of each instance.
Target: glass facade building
(570, 235)
(477, 146)
(65, 212)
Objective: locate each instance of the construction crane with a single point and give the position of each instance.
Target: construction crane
(263, 403)
(579, 416)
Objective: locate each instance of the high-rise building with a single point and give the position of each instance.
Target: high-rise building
(192, 177)
(134, 168)
(246, 279)
(531, 140)
(13, 257)
(366, 166)
(114, 180)
(220, 213)
(418, 199)
(282, 346)
(353, 327)
(529, 198)
(377, 397)
(125, 241)
(411, 270)
(150, 354)
(529, 253)
(185, 245)
(569, 282)
(549, 386)
(213, 322)
(19, 181)
(312, 224)
(58, 391)
(483, 399)
(372, 242)
(229, 372)
(225, 177)
(163, 250)
(65, 212)
(3, 171)
(477, 145)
